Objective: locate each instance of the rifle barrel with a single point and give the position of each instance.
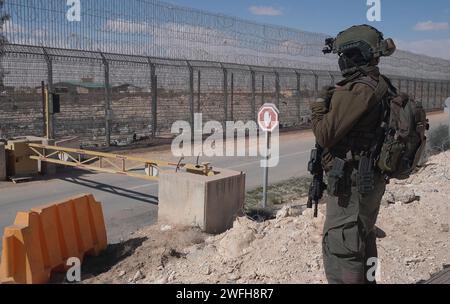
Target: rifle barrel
(316, 209)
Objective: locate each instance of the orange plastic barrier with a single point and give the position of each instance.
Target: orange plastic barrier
(42, 240)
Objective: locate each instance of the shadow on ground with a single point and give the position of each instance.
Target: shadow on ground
(135, 195)
(87, 179)
(94, 266)
(114, 254)
(441, 278)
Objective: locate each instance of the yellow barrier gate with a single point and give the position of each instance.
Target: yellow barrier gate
(112, 163)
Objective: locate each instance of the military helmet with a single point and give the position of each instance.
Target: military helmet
(365, 38)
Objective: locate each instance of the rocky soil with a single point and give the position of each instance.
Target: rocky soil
(414, 235)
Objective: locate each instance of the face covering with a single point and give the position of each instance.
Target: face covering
(351, 62)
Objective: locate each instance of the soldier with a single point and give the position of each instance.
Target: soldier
(346, 122)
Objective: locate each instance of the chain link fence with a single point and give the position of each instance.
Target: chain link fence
(119, 73)
(117, 99)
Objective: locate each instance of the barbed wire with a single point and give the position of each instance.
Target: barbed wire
(155, 28)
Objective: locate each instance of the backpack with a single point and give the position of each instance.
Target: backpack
(401, 137)
(405, 140)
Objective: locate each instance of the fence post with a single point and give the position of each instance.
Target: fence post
(262, 90)
(49, 124)
(225, 92)
(422, 87)
(299, 98)
(415, 89)
(277, 89)
(316, 84)
(108, 114)
(191, 97)
(425, 96)
(199, 77)
(253, 85)
(154, 105)
(333, 82)
(435, 96)
(232, 97)
(49, 62)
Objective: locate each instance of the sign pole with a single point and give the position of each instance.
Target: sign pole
(266, 170)
(268, 120)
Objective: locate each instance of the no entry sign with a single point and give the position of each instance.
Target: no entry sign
(268, 120)
(268, 117)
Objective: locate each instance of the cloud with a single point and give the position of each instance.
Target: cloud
(431, 26)
(431, 47)
(12, 28)
(265, 11)
(172, 33)
(126, 26)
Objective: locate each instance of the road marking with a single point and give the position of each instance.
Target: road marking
(142, 186)
(294, 154)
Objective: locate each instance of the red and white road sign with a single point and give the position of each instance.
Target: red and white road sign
(268, 117)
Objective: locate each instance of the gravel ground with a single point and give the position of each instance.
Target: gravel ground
(414, 235)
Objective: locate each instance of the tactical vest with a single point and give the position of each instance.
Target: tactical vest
(366, 132)
(392, 132)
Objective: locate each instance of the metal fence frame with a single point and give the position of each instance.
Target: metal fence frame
(256, 77)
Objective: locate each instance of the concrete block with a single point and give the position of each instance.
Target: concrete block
(211, 203)
(18, 161)
(18, 155)
(2, 162)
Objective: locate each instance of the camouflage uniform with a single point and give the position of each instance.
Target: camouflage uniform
(347, 122)
(344, 129)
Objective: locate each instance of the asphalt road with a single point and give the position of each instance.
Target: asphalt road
(130, 204)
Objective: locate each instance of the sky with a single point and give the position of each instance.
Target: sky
(416, 25)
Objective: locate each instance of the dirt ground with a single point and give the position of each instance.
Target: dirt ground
(414, 235)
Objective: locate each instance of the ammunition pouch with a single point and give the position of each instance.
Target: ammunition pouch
(339, 178)
(391, 156)
(365, 177)
(396, 162)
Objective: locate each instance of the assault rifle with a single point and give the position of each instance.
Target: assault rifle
(317, 186)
